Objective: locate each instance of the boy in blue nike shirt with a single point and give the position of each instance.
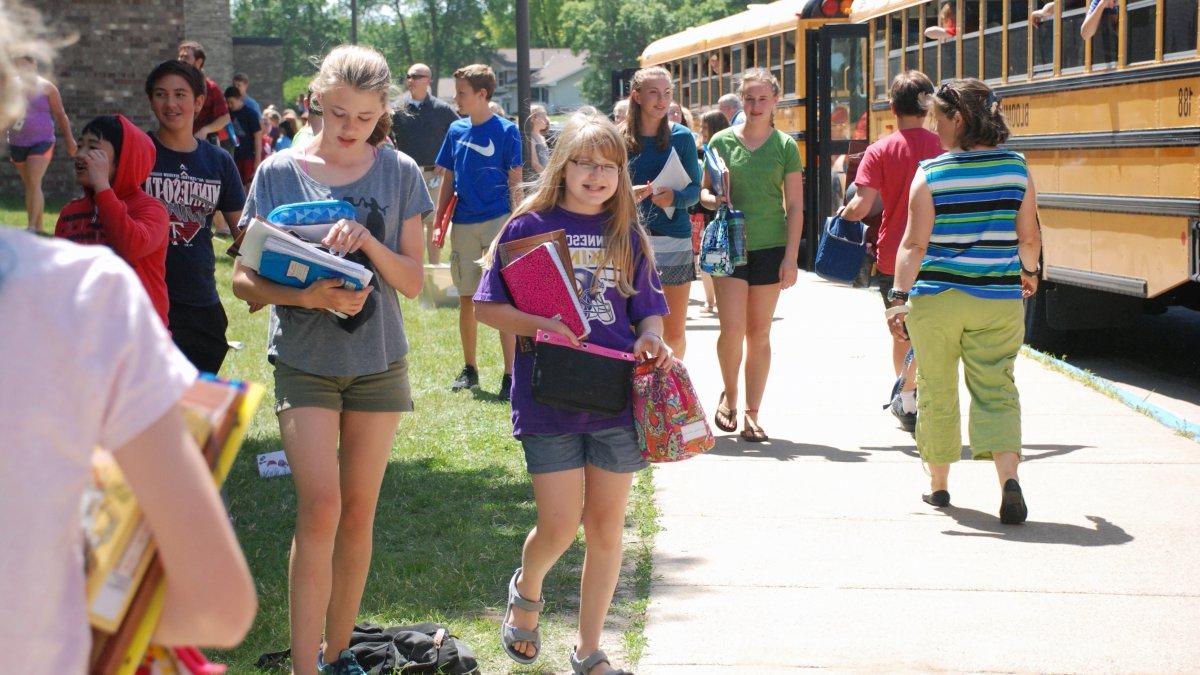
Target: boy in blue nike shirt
(481, 158)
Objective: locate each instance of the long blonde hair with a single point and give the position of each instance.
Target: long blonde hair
(633, 121)
(364, 69)
(585, 135)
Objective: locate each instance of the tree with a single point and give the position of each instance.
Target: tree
(545, 23)
(309, 28)
(614, 32)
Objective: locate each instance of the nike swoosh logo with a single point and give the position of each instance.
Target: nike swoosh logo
(487, 151)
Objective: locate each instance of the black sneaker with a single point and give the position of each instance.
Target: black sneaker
(908, 421)
(1012, 504)
(506, 387)
(467, 379)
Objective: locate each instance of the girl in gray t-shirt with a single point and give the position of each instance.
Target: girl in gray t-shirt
(331, 377)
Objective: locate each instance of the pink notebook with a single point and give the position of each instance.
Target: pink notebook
(540, 285)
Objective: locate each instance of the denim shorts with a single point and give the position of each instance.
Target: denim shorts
(614, 450)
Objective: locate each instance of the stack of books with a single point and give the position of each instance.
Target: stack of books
(124, 578)
(288, 259)
(542, 282)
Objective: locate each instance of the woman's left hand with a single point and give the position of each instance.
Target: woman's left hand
(787, 273)
(346, 236)
(663, 197)
(897, 327)
(652, 344)
(1029, 284)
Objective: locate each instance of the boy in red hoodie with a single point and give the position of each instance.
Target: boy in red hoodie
(113, 161)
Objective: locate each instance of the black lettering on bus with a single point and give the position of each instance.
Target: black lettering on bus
(1016, 114)
(1184, 109)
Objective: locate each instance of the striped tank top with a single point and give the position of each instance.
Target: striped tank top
(973, 247)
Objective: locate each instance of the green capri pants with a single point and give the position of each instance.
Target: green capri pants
(986, 335)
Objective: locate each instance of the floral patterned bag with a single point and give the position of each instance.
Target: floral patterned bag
(670, 422)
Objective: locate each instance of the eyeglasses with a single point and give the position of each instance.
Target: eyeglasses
(604, 169)
(415, 76)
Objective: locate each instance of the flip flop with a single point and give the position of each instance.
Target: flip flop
(752, 432)
(727, 413)
(510, 633)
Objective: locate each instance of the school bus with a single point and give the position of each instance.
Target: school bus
(1110, 126)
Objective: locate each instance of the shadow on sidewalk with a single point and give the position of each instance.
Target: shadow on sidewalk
(1050, 450)
(782, 450)
(1032, 532)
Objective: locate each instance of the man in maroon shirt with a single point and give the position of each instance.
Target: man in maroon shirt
(214, 114)
(886, 173)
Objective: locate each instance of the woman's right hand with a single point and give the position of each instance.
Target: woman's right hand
(1029, 284)
(556, 326)
(329, 294)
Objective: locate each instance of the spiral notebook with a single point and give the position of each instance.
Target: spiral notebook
(539, 284)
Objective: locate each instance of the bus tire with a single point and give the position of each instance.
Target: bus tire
(1039, 334)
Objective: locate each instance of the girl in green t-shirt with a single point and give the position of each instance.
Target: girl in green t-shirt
(767, 184)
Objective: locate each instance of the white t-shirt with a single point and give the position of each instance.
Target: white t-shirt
(85, 362)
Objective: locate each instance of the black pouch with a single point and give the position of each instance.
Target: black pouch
(586, 378)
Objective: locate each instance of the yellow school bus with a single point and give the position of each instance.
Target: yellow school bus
(1110, 125)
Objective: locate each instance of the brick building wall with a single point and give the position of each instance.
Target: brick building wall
(104, 72)
(261, 59)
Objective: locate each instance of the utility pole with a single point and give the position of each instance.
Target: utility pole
(353, 22)
(523, 88)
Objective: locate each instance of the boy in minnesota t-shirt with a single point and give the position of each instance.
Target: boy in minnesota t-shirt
(481, 157)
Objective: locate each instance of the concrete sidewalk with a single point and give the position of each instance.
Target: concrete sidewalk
(815, 551)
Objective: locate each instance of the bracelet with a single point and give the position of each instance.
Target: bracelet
(1032, 273)
(898, 309)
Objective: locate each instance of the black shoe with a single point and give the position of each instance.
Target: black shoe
(467, 379)
(1012, 504)
(908, 421)
(506, 387)
(939, 499)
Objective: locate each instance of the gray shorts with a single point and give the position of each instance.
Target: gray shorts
(614, 450)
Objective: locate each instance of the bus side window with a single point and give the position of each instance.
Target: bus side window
(895, 52)
(1179, 29)
(1018, 39)
(1140, 40)
(993, 39)
(1073, 13)
(1104, 42)
(1043, 38)
(879, 63)
(929, 48)
(970, 42)
(948, 19)
(789, 63)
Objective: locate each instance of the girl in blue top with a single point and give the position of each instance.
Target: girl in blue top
(582, 464)
(649, 139)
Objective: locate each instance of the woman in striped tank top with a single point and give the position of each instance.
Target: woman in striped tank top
(968, 258)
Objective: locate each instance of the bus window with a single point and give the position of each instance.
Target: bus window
(879, 67)
(1073, 12)
(949, 48)
(912, 41)
(970, 41)
(1104, 42)
(748, 60)
(693, 75)
(789, 63)
(726, 72)
(1018, 39)
(1179, 28)
(777, 56)
(993, 39)
(738, 65)
(895, 53)
(929, 49)
(1043, 41)
(1141, 31)
(763, 58)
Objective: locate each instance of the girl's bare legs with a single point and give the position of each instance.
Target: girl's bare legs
(366, 445)
(32, 170)
(559, 499)
(732, 296)
(760, 310)
(675, 323)
(603, 524)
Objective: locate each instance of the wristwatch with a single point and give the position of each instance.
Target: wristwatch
(893, 295)
(1033, 272)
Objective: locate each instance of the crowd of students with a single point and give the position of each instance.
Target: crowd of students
(959, 238)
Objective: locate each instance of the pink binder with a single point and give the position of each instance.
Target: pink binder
(539, 284)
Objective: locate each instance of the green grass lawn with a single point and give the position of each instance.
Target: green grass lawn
(454, 510)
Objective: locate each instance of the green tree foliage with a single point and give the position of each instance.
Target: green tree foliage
(309, 28)
(295, 86)
(614, 32)
(545, 23)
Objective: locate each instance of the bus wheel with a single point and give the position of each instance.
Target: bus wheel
(1039, 334)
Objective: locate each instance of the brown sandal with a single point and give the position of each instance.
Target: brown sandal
(752, 431)
(725, 417)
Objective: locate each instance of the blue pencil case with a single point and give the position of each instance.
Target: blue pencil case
(312, 213)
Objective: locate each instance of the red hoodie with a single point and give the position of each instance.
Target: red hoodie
(125, 218)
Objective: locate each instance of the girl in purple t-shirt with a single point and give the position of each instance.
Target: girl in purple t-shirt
(582, 464)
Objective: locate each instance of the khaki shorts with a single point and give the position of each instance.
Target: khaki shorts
(379, 392)
(468, 245)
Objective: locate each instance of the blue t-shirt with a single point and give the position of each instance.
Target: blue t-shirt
(645, 167)
(192, 185)
(610, 316)
(480, 157)
(252, 104)
(245, 123)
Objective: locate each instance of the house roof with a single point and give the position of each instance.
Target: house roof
(548, 66)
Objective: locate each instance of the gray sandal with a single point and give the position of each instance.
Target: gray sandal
(510, 633)
(585, 666)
